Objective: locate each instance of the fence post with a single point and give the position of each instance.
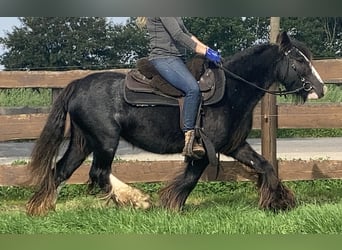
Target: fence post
(269, 112)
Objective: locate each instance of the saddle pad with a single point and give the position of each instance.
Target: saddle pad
(141, 96)
(148, 99)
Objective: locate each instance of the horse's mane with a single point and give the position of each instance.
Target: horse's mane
(258, 49)
(255, 49)
(245, 61)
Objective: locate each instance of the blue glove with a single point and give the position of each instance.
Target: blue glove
(213, 55)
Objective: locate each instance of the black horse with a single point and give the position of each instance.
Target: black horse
(99, 116)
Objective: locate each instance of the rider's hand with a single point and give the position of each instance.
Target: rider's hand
(213, 55)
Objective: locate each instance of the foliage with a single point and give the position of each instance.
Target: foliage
(229, 34)
(64, 43)
(323, 35)
(132, 42)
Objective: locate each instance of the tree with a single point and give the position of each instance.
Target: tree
(229, 34)
(64, 43)
(323, 35)
(129, 43)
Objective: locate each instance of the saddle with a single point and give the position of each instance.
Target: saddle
(145, 87)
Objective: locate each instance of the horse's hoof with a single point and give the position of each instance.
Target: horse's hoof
(34, 208)
(282, 199)
(129, 196)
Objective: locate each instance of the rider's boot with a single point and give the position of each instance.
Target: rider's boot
(192, 147)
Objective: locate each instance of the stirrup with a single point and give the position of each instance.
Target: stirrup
(197, 149)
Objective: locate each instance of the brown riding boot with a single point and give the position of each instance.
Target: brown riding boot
(192, 148)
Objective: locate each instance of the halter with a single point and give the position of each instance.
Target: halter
(307, 85)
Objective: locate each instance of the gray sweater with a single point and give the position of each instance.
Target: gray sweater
(168, 37)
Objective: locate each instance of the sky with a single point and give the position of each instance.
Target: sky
(7, 24)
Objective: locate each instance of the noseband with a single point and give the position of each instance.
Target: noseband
(307, 85)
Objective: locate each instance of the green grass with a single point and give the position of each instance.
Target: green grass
(25, 97)
(42, 97)
(334, 94)
(212, 208)
(302, 133)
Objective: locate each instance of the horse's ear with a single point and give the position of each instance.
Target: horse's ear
(283, 41)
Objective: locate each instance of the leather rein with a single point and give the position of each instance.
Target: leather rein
(307, 85)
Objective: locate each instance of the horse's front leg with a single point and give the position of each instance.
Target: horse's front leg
(175, 194)
(273, 194)
(123, 194)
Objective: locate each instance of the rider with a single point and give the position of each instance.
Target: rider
(169, 40)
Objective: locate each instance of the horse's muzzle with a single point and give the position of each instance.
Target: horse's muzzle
(313, 94)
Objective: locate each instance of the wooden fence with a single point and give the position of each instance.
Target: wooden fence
(27, 123)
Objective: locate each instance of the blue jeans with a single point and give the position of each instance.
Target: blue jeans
(173, 70)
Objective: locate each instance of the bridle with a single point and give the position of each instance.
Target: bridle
(306, 85)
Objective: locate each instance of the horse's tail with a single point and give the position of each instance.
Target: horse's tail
(47, 146)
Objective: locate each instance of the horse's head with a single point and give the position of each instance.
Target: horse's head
(296, 71)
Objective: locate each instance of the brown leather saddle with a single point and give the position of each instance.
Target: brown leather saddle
(145, 87)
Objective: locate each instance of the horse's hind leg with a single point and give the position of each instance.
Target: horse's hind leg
(71, 160)
(273, 194)
(45, 197)
(175, 194)
(116, 190)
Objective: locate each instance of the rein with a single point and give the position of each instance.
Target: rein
(306, 85)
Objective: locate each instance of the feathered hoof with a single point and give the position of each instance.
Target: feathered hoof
(129, 196)
(281, 199)
(39, 206)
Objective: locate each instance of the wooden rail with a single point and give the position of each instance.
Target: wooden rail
(44, 79)
(160, 171)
